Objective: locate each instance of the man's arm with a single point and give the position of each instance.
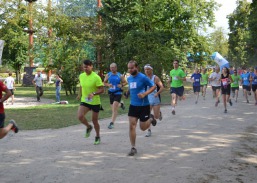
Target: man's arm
(6, 96)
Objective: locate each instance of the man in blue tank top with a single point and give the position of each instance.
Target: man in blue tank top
(115, 81)
(245, 81)
(139, 108)
(254, 84)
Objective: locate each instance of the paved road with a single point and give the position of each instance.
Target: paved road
(200, 144)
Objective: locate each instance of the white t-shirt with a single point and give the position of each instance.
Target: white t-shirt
(9, 82)
(216, 81)
(38, 81)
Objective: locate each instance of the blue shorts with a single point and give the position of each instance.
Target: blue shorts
(246, 87)
(178, 91)
(254, 88)
(196, 89)
(154, 100)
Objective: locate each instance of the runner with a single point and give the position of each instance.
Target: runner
(12, 124)
(196, 79)
(115, 81)
(245, 82)
(91, 86)
(139, 108)
(225, 87)
(204, 82)
(235, 85)
(177, 76)
(154, 97)
(254, 84)
(215, 83)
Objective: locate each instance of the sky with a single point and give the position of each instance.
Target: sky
(227, 7)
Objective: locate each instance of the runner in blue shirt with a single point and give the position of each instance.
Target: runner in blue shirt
(245, 82)
(196, 79)
(115, 81)
(254, 84)
(139, 108)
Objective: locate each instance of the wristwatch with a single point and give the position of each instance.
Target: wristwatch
(94, 93)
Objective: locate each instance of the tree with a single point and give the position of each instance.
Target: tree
(253, 32)
(239, 33)
(154, 32)
(12, 24)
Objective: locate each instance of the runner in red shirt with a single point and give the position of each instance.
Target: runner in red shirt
(12, 124)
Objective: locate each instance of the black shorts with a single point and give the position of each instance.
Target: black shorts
(234, 88)
(95, 108)
(11, 90)
(246, 87)
(226, 91)
(2, 118)
(214, 88)
(178, 91)
(140, 112)
(254, 88)
(196, 88)
(114, 97)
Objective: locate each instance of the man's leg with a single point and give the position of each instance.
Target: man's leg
(4, 131)
(96, 123)
(115, 107)
(82, 111)
(132, 130)
(38, 93)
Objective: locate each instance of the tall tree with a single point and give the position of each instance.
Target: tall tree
(12, 23)
(253, 32)
(239, 33)
(219, 42)
(154, 32)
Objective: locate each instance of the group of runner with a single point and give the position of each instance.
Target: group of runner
(224, 83)
(144, 91)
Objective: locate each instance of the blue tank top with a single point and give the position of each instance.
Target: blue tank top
(254, 82)
(138, 84)
(114, 79)
(197, 79)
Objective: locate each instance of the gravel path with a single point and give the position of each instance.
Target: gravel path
(200, 144)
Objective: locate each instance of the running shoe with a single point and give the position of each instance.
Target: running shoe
(160, 117)
(97, 140)
(88, 131)
(14, 126)
(122, 106)
(111, 125)
(132, 152)
(216, 104)
(153, 120)
(247, 101)
(230, 102)
(149, 133)
(249, 93)
(225, 111)
(196, 102)
(173, 112)
(256, 103)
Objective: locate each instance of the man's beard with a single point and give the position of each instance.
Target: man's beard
(134, 73)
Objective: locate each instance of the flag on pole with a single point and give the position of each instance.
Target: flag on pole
(1, 50)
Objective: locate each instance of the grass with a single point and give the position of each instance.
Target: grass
(51, 116)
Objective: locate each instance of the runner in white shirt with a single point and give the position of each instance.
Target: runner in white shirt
(215, 83)
(10, 83)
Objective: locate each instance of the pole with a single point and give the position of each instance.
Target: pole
(99, 52)
(30, 31)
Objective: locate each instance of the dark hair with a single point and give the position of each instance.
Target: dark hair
(226, 70)
(10, 73)
(87, 62)
(133, 62)
(176, 61)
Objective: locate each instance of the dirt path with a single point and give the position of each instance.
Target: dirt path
(27, 102)
(200, 144)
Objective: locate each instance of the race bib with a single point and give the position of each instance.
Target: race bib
(196, 80)
(175, 78)
(133, 85)
(224, 82)
(113, 87)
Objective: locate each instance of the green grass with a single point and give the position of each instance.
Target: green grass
(52, 116)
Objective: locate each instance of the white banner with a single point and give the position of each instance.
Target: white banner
(1, 50)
